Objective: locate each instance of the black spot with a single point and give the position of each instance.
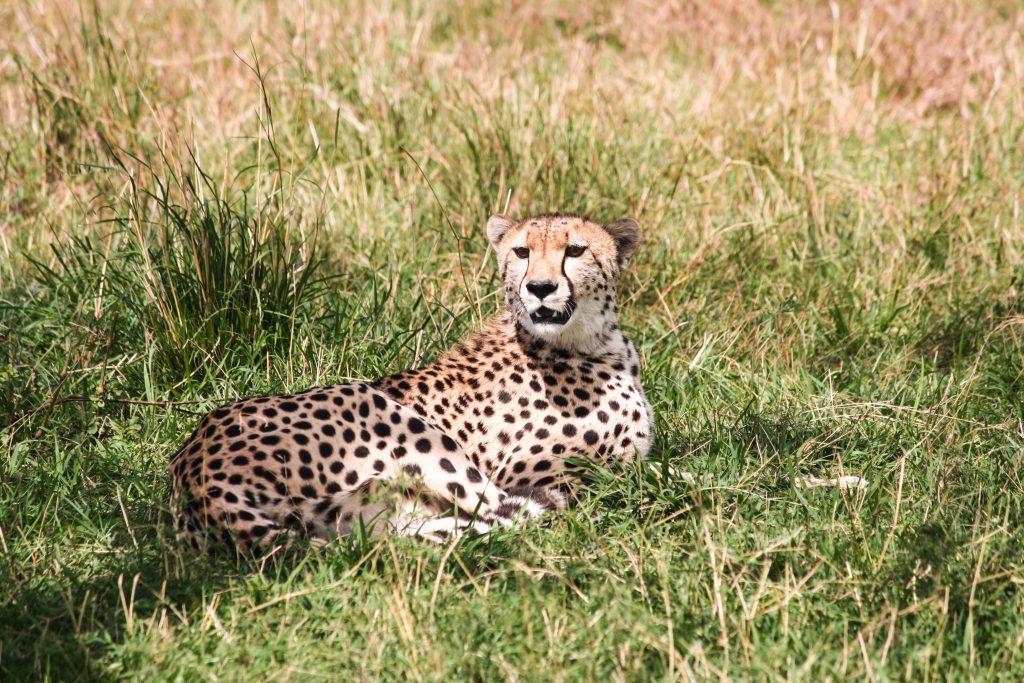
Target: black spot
(416, 425)
(457, 489)
(590, 436)
(447, 465)
(381, 429)
(568, 430)
(423, 445)
(289, 406)
(325, 449)
(449, 443)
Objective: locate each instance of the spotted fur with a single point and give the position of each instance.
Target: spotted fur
(480, 437)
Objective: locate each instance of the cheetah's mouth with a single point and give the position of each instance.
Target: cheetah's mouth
(549, 316)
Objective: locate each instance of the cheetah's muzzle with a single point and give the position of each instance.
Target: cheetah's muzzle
(550, 316)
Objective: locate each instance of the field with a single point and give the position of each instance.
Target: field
(202, 201)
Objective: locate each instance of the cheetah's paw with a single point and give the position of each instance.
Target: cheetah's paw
(523, 503)
(444, 529)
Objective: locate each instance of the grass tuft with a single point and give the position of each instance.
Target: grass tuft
(208, 272)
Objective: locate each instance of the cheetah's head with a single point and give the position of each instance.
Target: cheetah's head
(560, 273)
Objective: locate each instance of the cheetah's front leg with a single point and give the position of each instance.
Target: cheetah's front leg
(438, 464)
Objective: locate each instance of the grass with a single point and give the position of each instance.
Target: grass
(198, 204)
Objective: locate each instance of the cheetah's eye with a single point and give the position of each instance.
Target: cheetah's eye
(522, 252)
(574, 250)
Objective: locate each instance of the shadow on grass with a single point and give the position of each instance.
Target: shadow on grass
(63, 622)
(59, 625)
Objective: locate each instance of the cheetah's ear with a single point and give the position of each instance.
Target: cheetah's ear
(626, 234)
(497, 226)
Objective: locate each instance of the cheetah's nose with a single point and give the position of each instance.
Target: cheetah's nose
(541, 288)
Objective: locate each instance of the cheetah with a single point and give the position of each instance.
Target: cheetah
(490, 434)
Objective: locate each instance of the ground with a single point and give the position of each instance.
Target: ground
(202, 203)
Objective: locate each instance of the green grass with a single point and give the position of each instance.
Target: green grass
(195, 208)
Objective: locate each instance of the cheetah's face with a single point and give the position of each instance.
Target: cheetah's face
(560, 272)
